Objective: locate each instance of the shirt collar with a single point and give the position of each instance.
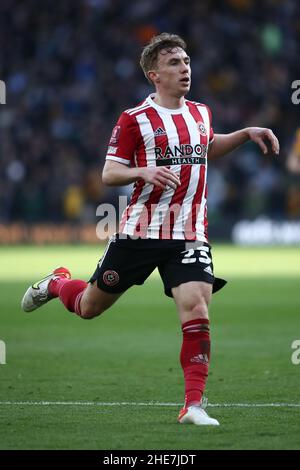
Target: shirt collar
(161, 109)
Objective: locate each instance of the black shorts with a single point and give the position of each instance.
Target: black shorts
(128, 261)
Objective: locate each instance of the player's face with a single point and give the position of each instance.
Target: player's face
(173, 72)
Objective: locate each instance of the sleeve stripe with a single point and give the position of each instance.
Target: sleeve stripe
(118, 159)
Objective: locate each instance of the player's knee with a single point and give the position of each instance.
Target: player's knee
(200, 309)
(196, 307)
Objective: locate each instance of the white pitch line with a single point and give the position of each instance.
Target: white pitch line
(91, 403)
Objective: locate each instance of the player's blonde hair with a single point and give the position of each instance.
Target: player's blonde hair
(150, 52)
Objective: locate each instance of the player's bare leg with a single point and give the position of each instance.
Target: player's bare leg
(192, 300)
(86, 300)
(95, 301)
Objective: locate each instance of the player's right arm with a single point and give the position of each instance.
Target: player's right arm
(121, 168)
(118, 174)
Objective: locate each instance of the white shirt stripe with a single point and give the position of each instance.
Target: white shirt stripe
(138, 108)
(178, 229)
(166, 197)
(163, 201)
(149, 143)
(201, 213)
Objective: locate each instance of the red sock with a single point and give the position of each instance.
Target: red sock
(194, 358)
(56, 284)
(69, 292)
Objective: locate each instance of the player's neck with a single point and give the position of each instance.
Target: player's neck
(166, 101)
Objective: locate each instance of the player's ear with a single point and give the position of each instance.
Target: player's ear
(153, 76)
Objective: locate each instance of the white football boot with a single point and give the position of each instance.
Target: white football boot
(38, 294)
(196, 414)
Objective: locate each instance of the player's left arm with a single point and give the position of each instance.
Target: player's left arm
(226, 143)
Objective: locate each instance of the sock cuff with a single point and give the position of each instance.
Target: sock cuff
(77, 303)
(200, 324)
(69, 291)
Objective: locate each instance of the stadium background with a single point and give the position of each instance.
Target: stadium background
(70, 68)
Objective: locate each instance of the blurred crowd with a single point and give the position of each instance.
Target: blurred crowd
(71, 68)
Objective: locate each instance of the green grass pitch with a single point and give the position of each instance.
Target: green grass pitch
(130, 355)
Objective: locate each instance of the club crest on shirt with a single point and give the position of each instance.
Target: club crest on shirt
(111, 278)
(201, 128)
(115, 135)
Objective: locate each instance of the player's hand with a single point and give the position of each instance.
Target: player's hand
(262, 136)
(160, 176)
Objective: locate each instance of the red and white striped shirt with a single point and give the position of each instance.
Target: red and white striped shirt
(150, 135)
